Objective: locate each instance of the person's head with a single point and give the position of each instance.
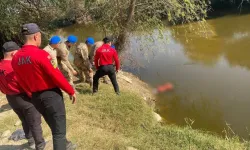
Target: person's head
(55, 41)
(71, 40)
(108, 40)
(32, 34)
(90, 41)
(9, 49)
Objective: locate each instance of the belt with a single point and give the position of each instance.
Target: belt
(40, 92)
(106, 65)
(20, 94)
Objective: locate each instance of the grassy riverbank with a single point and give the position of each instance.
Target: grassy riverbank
(107, 121)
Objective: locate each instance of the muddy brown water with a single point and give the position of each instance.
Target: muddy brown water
(209, 69)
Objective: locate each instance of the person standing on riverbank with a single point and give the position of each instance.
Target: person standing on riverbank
(63, 59)
(82, 62)
(92, 53)
(51, 49)
(36, 75)
(104, 64)
(19, 101)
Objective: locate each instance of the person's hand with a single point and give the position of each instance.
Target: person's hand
(73, 98)
(74, 72)
(90, 70)
(117, 71)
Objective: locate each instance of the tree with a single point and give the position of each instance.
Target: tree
(14, 13)
(119, 17)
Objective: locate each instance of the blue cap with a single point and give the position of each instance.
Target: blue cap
(55, 40)
(113, 46)
(72, 39)
(90, 41)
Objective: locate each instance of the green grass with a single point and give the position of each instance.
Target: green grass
(106, 121)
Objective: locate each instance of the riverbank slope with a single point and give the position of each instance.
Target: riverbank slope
(107, 121)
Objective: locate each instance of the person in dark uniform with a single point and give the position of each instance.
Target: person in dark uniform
(104, 57)
(19, 101)
(36, 74)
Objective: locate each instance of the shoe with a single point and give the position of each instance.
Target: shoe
(33, 147)
(31, 143)
(94, 93)
(117, 93)
(70, 145)
(41, 146)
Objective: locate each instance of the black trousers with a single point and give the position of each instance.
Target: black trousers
(51, 105)
(29, 116)
(102, 71)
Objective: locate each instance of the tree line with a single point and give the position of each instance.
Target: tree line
(118, 17)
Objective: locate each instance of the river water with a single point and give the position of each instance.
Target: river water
(210, 71)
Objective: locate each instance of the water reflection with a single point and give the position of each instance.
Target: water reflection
(211, 74)
(82, 32)
(206, 113)
(204, 47)
(238, 52)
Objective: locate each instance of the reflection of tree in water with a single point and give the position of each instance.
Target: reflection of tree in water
(200, 42)
(226, 26)
(236, 32)
(126, 57)
(141, 48)
(206, 43)
(82, 32)
(207, 113)
(238, 53)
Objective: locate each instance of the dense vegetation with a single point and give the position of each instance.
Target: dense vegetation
(111, 16)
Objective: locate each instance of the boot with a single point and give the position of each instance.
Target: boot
(70, 145)
(31, 143)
